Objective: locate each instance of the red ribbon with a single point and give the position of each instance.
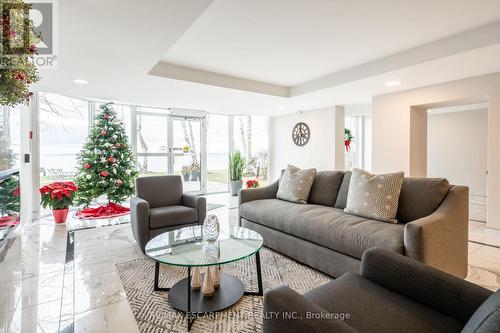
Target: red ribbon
(347, 145)
(101, 212)
(7, 221)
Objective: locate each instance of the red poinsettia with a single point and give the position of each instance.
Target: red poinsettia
(104, 173)
(58, 195)
(86, 166)
(252, 183)
(111, 159)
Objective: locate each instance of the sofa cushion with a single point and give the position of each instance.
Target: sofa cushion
(326, 226)
(341, 201)
(161, 217)
(374, 196)
(373, 308)
(487, 316)
(295, 184)
(420, 197)
(325, 188)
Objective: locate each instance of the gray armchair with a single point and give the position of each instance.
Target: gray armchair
(392, 293)
(161, 205)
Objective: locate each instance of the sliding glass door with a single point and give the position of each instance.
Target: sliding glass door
(171, 144)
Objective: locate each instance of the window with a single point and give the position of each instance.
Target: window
(64, 125)
(10, 147)
(217, 153)
(251, 139)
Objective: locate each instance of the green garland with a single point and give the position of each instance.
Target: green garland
(17, 70)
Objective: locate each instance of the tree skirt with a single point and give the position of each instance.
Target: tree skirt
(7, 221)
(103, 212)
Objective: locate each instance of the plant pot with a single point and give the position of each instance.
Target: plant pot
(235, 186)
(60, 215)
(195, 176)
(186, 177)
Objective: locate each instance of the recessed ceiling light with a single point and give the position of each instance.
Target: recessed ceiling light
(392, 83)
(80, 81)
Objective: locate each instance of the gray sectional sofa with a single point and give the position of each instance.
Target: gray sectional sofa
(432, 228)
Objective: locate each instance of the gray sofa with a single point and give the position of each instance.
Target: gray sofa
(392, 293)
(432, 228)
(160, 205)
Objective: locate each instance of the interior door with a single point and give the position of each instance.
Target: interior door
(187, 152)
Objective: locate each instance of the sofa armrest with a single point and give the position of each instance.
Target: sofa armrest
(440, 240)
(426, 285)
(287, 311)
(265, 192)
(139, 220)
(251, 194)
(197, 202)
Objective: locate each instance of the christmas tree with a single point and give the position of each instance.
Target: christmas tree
(106, 165)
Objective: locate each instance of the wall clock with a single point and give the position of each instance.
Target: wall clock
(301, 134)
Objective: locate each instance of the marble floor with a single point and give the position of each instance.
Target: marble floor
(62, 278)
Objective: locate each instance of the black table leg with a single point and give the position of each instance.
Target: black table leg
(260, 291)
(190, 316)
(157, 276)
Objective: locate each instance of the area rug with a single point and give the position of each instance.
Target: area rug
(153, 313)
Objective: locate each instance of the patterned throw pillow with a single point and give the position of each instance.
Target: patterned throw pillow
(295, 184)
(374, 196)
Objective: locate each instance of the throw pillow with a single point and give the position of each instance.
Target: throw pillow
(295, 184)
(374, 196)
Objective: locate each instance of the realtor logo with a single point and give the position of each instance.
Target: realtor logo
(23, 22)
(42, 15)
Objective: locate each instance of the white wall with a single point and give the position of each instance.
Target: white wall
(318, 153)
(392, 147)
(457, 148)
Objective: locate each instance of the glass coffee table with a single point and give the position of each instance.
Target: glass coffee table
(186, 247)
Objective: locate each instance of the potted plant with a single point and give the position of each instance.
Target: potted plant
(195, 171)
(252, 183)
(186, 171)
(237, 166)
(58, 196)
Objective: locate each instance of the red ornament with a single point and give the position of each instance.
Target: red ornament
(104, 173)
(103, 132)
(105, 116)
(33, 48)
(117, 145)
(111, 159)
(86, 166)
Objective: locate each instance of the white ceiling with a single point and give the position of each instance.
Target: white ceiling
(114, 44)
(289, 42)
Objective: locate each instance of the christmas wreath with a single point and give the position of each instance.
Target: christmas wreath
(17, 69)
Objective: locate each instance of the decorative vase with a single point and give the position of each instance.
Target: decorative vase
(186, 177)
(211, 228)
(208, 286)
(235, 186)
(216, 276)
(60, 215)
(196, 279)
